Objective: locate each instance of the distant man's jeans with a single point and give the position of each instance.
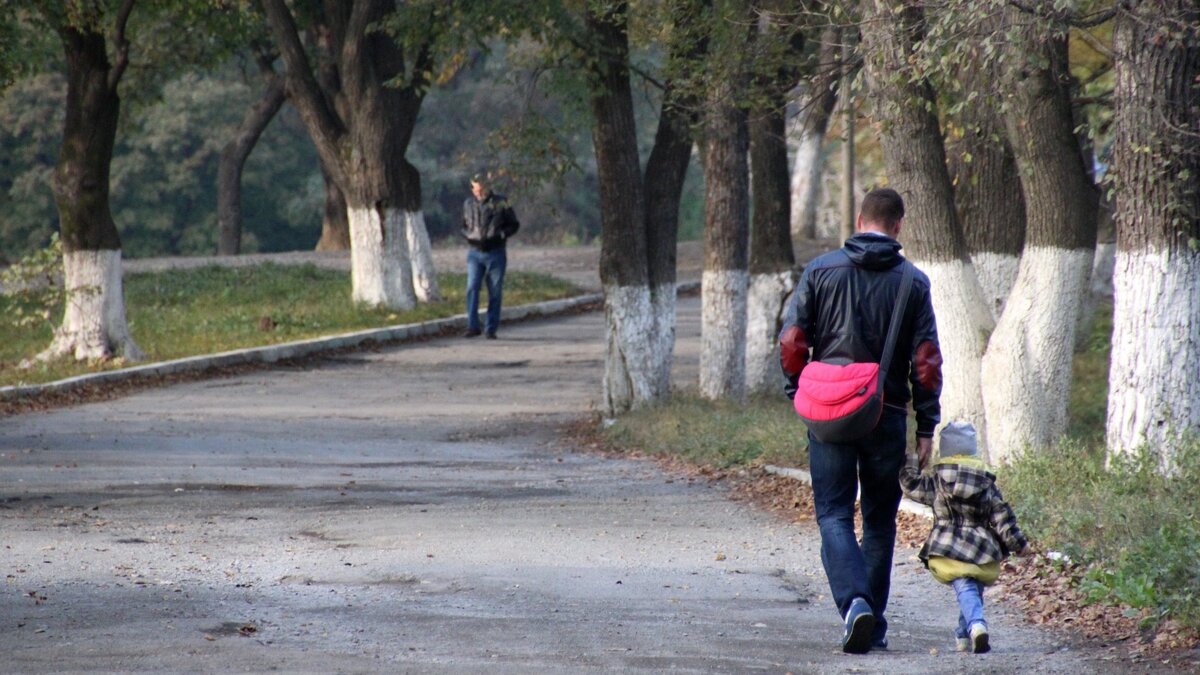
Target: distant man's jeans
(970, 604)
(837, 469)
(489, 266)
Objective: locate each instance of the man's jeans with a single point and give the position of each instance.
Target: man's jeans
(970, 604)
(856, 570)
(483, 265)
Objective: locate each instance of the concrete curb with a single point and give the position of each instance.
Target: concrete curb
(298, 348)
(805, 477)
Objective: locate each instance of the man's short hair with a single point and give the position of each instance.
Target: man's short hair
(882, 206)
(481, 177)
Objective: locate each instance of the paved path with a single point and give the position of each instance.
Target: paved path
(410, 510)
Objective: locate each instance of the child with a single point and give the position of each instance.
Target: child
(973, 529)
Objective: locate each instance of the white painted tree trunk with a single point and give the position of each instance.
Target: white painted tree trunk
(723, 334)
(764, 307)
(1154, 376)
(807, 170)
(997, 274)
(380, 266)
(964, 324)
(1027, 366)
(425, 281)
(641, 339)
(94, 324)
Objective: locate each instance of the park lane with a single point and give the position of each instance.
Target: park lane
(411, 509)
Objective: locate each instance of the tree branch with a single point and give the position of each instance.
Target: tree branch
(121, 43)
(1070, 18)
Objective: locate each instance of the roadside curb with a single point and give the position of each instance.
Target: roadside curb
(907, 505)
(301, 348)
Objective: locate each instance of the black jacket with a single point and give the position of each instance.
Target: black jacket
(841, 310)
(489, 223)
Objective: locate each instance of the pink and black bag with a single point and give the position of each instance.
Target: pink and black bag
(842, 402)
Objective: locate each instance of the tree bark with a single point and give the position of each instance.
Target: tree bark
(233, 160)
(772, 262)
(1027, 366)
(335, 228)
(813, 123)
(94, 323)
(362, 134)
(1154, 395)
(725, 282)
(631, 376)
(915, 157)
(987, 189)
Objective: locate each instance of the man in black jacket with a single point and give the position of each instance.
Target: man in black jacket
(841, 310)
(488, 222)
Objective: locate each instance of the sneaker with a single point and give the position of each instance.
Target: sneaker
(472, 332)
(860, 624)
(979, 639)
(962, 644)
(879, 643)
(491, 335)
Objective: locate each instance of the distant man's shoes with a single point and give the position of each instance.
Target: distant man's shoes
(860, 625)
(472, 332)
(491, 335)
(979, 639)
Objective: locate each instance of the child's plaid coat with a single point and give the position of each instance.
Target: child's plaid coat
(972, 522)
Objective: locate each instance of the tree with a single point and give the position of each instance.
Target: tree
(361, 136)
(1154, 394)
(725, 282)
(772, 262)
(911, 138)
(235, 152)
(94, 324)
(1027, 366)
(819, 94)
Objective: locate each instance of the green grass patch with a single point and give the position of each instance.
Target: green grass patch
(719, 434)
(1134, 530)
(213, 309)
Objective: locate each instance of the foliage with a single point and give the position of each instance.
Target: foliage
(1134, 530)
(34, 286)
(182, 313)
(719, 434)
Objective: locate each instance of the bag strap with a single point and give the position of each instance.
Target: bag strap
(897, 316)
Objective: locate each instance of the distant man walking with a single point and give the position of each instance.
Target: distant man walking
(488, 222)
(841, 310)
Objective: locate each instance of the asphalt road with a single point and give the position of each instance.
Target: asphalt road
(412, 509)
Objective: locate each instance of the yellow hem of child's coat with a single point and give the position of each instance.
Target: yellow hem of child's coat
(946, 570)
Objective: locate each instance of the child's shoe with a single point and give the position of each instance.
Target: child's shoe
(979, 638)
(962, 644)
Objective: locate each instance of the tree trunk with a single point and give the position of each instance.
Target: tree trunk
(772, 263)
(1154, 395)
(725, 282)
(987, 189)
(335, 228)
(632, 379)
(813, 122)
(233, 159)
(94, 324)
(916, 163)
(1027, 367)
(362, 131)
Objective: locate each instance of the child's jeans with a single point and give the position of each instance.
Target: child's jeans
(970, 604)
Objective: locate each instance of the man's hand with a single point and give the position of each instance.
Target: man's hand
(924, 450)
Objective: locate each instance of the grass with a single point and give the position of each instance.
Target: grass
(212, 309)
(720, 434)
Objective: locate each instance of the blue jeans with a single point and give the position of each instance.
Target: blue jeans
(481, 266)
(970, 604)
(853, 569)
